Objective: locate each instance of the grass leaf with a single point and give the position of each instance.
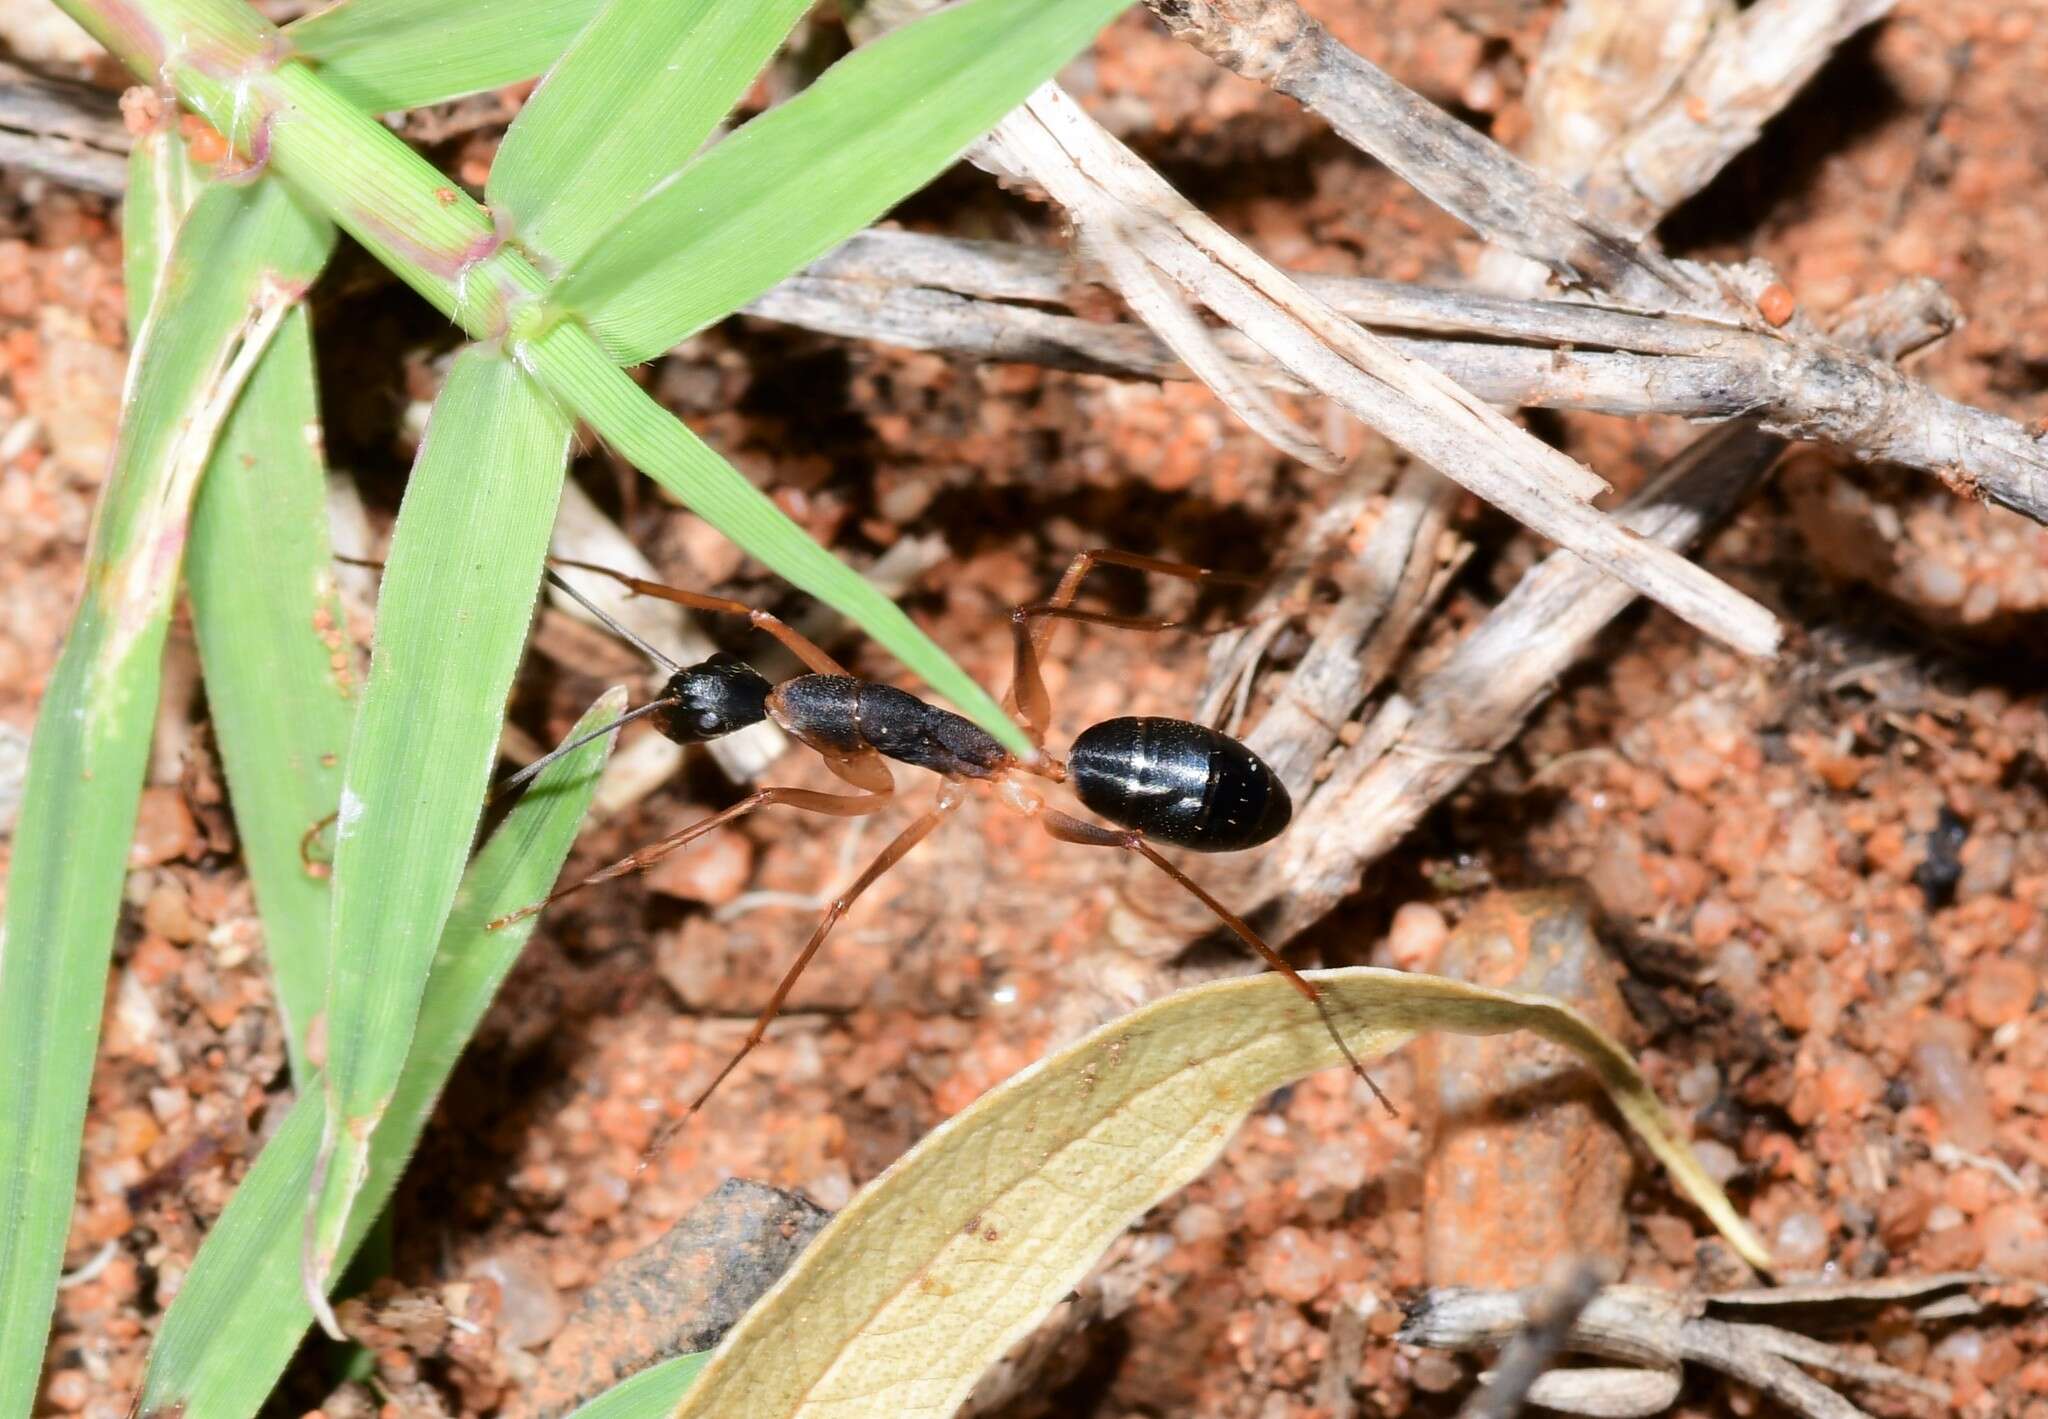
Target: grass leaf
(685, 62)
(241, 1313)
(440, 242)
(272, 647)
(263, 607)
(452, 618)
(162, 185)
(651, 1394)
(957, 1250)
(392, 54)
(795, 182)
(231, 275)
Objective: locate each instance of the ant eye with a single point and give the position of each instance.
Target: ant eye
(706, 721)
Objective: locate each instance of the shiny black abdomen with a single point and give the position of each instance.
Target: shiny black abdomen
(1179, 783)
(842, 713)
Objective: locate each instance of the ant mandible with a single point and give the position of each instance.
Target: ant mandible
(1157, 780)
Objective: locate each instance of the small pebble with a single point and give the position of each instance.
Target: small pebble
(1198, 1222)
(2016, 1240)
(1801, 1243)
(1942, 1075)
(68, 1390)
(599, 1199)
(164, 829)
(1436, 1373)
(1417, 936)
(712, 871)
(1292, 1265)
(530, 1309)
(1999, 990)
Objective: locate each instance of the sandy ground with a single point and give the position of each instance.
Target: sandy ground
(1826, 877)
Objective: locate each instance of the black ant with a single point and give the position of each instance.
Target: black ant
(1157, 780)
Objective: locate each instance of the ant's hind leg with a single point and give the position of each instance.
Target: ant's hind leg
(1031, 624)
(800, 645)
(950, 798)
(1069, 829)
(839, 805)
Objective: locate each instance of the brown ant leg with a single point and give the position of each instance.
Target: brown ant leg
(306, 841)
(1069, 829)
(802, 646)
(1031, 624)
(840, 805)
(950, 797)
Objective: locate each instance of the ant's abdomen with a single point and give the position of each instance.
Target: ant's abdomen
(1179, 783)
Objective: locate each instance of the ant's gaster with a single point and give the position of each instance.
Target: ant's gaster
(1156, 780)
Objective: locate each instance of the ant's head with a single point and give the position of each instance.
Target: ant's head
(712, 699)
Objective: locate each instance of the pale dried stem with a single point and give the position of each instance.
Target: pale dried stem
(899, 288)
(1178, 327)
(1566, 356)
(1502, 198)
(1356, 641)
(1654, 1334)
(1547, 1324)
(1604, 67)
(1059, 147)
(1422, 745)
(1749, 70)
(63, 131)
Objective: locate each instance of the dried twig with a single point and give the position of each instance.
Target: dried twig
(1604, 67)
(1113, 196)
(1502, 198)
(1550, 1316)
(64, 131)
(894, 287)
(1566, 355)
(1396, 573)
(1750, 68)
(1422, 745)
(1656, 1333)
(1085, 169)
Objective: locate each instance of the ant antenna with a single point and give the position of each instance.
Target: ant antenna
(578, 742)
(623, 632)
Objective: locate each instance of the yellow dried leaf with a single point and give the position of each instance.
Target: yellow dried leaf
(946, 1259)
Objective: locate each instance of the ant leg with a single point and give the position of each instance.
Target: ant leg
(1031, 624)
(802, 646)
(950, 798)
(1069, 829)
(840, 805)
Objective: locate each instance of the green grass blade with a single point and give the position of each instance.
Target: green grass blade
(392, 54)
(219, 57)
(801, 178)
(241, 1312)
(218, 304)
(259, 577)
(684, 62)
(654, 1393)
(162, 184)
(271, 645)
(663, 448)
(458, 593)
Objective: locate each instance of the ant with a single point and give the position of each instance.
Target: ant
(1157, 780)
